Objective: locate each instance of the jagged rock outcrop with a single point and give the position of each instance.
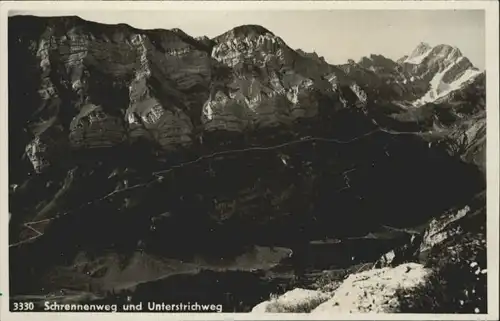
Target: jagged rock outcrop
(120, 85)
(371, 291)
(374, 291)
(294, 301)
(271, 84)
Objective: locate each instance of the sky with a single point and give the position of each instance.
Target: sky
(337, 35)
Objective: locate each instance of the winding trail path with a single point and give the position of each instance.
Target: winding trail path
(159, 174)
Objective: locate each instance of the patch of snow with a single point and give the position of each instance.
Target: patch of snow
(468, 75)
(437, 85)
(374, 290)
(439, 88)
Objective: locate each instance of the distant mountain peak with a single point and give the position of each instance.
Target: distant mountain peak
(419, 53)
(251, 28)
(244, 31)
(423, 46)
(375, 59)
(424, 50)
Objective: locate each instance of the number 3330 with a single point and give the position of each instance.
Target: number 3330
(23, 306)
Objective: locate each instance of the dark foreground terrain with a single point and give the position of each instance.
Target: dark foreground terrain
(150, 165)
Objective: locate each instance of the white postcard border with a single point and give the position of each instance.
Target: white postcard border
(492, 76)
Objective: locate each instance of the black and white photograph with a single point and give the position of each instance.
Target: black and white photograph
(322, 161)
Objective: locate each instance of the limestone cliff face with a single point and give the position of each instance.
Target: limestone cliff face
(269, 84)
(107, 85)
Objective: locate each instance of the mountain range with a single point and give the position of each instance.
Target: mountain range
(147, 160)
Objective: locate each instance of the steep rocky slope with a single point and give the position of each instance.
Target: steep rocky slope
(164, 160)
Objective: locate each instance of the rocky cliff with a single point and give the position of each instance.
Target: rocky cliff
(151, 150)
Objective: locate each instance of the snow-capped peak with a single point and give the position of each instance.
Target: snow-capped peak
(440, 52)
(442, 66)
